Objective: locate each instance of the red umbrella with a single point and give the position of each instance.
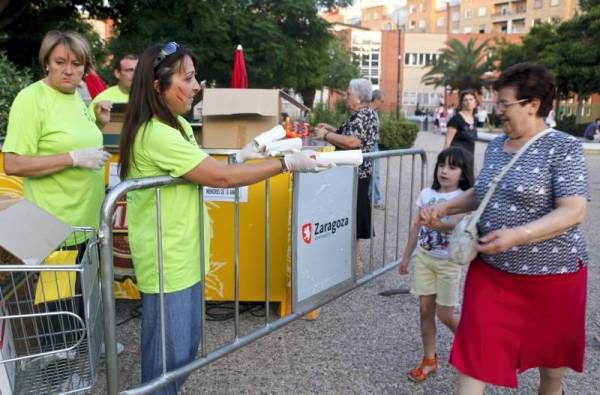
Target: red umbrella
(239, 79)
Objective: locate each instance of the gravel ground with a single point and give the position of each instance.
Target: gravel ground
(362, 342)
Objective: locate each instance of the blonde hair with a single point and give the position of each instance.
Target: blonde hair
(72, 41)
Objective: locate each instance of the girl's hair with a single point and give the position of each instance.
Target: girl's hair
(145, 99)
(456, 157)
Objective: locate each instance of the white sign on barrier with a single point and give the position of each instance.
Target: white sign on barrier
(323, 226)
(224, 194)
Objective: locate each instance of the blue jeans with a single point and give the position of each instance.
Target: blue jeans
(183, 332)
(376, 179)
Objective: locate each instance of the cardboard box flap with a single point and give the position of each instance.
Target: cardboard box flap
(220, 101)
(29, 232)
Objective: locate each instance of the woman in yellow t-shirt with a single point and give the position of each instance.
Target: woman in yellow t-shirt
(157, 141)
(51, 139)
(56, 147)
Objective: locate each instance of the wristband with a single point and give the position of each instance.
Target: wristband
(284, 168)
(325, 136)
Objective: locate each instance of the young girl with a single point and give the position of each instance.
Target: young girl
(435, 276)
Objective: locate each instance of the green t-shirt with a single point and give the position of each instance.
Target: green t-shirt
(161, 150)
(113, 94)
(44, 121)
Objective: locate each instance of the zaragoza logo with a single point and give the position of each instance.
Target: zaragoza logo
(307, 233)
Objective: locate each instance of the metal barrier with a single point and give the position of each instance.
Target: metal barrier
(106, 241)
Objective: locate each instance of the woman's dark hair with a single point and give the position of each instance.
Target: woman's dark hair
(461, 96)
(457, 157)
(531, 81)
(145, 100)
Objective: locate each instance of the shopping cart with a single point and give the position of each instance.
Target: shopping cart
(51, 327)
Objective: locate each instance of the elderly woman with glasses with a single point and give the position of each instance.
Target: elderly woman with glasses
(525, 293)
(157, 141)
(360, 131)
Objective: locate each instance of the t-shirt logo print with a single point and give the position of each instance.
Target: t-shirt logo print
(307, 233)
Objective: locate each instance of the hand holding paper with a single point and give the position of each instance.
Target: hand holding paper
(306, 161)
(249, 152)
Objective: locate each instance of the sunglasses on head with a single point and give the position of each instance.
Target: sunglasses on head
(168, 49)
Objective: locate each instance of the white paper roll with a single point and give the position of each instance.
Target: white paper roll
(350, 157)
(284, 146)
(274, 134)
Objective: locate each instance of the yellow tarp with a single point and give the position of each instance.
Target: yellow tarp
(53, 286)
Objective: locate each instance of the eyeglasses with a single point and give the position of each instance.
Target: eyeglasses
(168, 49)
(504, 105)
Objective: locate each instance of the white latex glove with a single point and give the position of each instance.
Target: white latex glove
(89, 158)
(305, 162)
(250, 151)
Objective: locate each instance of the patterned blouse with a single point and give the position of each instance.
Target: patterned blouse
(364, 125)
(553, 167)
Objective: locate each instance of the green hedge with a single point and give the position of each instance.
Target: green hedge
(396, 133)
(568, 125)
(12, 80)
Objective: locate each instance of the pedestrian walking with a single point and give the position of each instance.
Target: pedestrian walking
(435, 277)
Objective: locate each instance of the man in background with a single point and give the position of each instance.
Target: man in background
(123, 72)
(592, 131)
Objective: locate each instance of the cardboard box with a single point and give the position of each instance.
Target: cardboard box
(233, 117)
(29, 232)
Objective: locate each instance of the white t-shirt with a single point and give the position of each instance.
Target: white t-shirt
(434, 242)
(482, 115)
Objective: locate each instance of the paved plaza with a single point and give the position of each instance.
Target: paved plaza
(362, 343)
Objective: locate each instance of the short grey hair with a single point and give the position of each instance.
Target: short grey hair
(377, 94)
(362, 88)
(72, 41)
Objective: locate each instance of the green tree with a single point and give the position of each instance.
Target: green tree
(460, 66)
(567, 49)
(12, 80)
(23, 24)
(340, 69)
(286, 43)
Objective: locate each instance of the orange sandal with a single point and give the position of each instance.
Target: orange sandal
(418, 374)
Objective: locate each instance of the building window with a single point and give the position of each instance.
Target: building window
(468, 14)
(413, 24)
(468, 29)
(555, 19)
(554, 3)
(441, 21)
(406, 59)
(427, 59)
(536, 21)
(421, 59)
(413, 57)
(422, 7)
(422, 24)
(433, 59)
(482, 11)
(538, 3)
(413, 9)
(388, 26)
(455, 16)
(481, 28)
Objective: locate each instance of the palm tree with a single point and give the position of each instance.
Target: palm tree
(460, 66)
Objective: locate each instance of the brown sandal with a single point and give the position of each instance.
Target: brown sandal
(418, 374)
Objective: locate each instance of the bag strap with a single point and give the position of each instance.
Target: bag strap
(486, 199)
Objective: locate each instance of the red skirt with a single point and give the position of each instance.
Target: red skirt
(511, 323)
